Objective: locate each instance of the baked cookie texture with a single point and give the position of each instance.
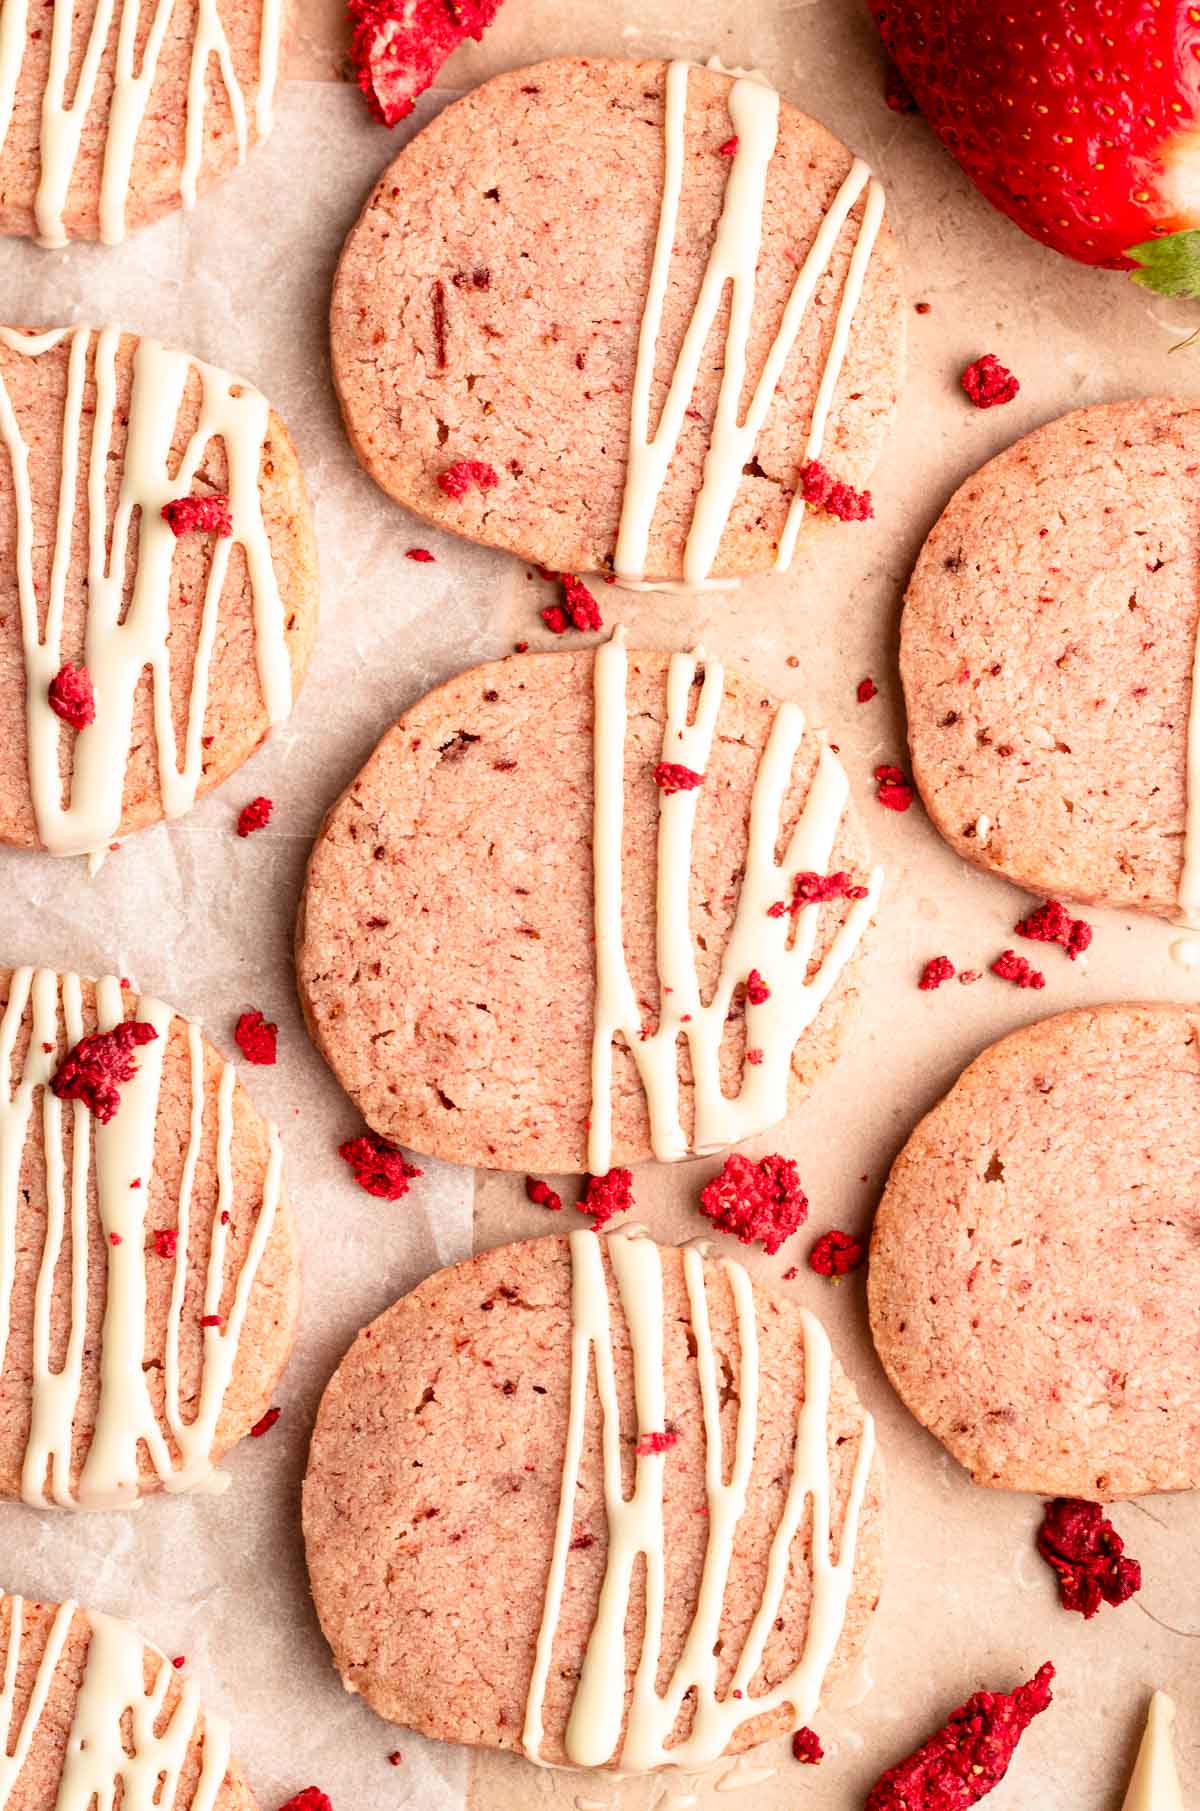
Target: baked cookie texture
(155, 1202)
(91, 1667)
(1035, 1265)
(248, 635)
(445, 946)
(489, 301)
(37, 201)
(1047, 645)
(434, 1482)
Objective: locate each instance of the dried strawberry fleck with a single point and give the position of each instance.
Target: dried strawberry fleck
(656, 1442)
(935, 971)
(457, 479)
(670, 776)
(578, 610)
(180, 1660)
(968, 1756)
(210, 1320)
(311, 1799)
(166, 1242)
(760, 1201)
(806, 1747)
(1080, 1543)
(729, 148)
(1011, 967)
(377, 1166)
(72, 696)
(606, 1196)
(255, 816)
(866, 690)
(814, 889)
(422, 556)
(395, 1758)
(822, 491)
(199, 515)
(114, 1238)
(1052, 923)
(836, 1254)
(95, 1068)
(541, 1194)
(398, 46)
(894, 790)
(754, 1057)
(757, 991)
(988, 383)
(255, 1037)
(265, 1425)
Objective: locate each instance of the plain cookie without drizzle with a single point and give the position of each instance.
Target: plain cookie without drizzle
(489, 301)
(1035, 1266)
(1046, 650)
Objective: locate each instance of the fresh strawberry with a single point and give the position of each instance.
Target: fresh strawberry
(1079, 119)
(400, 45)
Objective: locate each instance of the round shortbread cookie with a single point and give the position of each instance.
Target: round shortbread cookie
(489, 303)
(150, 1291)
(439, 1465)
(111, 116)
(92, 1703)
(446, 945)
(1035, 1266)
(1047, 647)
(218, 650)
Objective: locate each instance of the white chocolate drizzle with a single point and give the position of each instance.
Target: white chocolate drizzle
(63, 121)
(1154, 1785)
(733, 262)
(107, 1160)
(636, 1526)
(112, 1687)
(117, 652)
(1189, 880)
(756, 940)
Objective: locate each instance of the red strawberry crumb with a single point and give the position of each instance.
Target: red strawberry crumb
(457, 479)
(94, 1069)
(1011, 967)
(760, 1201)
(265, 1425)
(422, 556)
(255, 1037)
(895, 791)
(179, 1661)
(757, 991)
(935, 971)
(166, 1242)
(836, 1254)
(822, 491)
(988, 383)
(790, 1275)
(377, 1166)
(968, 1756)
(395, 1758)
(210, 1320)
(72, 697)
(814, 889)
(670, 776)
(606, 1196)
(255, 816)
(1080, 1543)
(542, 1195)
(582, 1542)
(398, 46)
(866, 690)
(656, 1442)
(114, 1238)
(311, 1799)
(578, 610)
(199, 515)
(806, 1747)
(1052, 923)
(754, 1058)
(729, 148)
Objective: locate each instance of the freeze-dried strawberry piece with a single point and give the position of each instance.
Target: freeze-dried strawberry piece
(866, 690)
(836, 1254)
(656, 1442)
(72, 696)
(935, 971)
(1080, 1543)
(94, 1070)
(822, 491)
(806, 1747)
(895, 791)
(199, 515)
(311, 1799)
(166, 1242)
(729, 148)
(398, 46)
(1018, 969)
(578, 610)
(542, 1195)
(989, 383)
(422, 556)
(457, 479)
(606, 1196)
(377, 1166)
(266, 1424)
(757, 991)
(1052, 923)
(255, 816)
(672, 776)
(760, 1201)
(255, 1037)
(815, 889)
(968, 1756)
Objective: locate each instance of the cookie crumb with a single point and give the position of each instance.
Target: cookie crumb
(935, 971)
(199, 515)
(759, 1202)
(836, 1254)
(378, 1167)
(94, 1069)
(989, 383)
(255, 1037)
(255, 816)
(1087, 1554)
(72, 696)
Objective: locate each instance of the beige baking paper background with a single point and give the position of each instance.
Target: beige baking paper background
(205, 919)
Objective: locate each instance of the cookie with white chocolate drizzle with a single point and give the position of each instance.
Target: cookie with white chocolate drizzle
(149, 1272)
(86, 1702)
(644, 1483)
(157, 583)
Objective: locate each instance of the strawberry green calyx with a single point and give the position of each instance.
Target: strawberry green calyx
(1170, 266)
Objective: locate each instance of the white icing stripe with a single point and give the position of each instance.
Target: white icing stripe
(62, 123)
(117, 653)
(756, 940)
(109, 1159)
(732, 262)
(97, 1755)
(1189, 879)
(636, 1526)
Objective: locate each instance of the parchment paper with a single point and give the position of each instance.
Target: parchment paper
(205, 919)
